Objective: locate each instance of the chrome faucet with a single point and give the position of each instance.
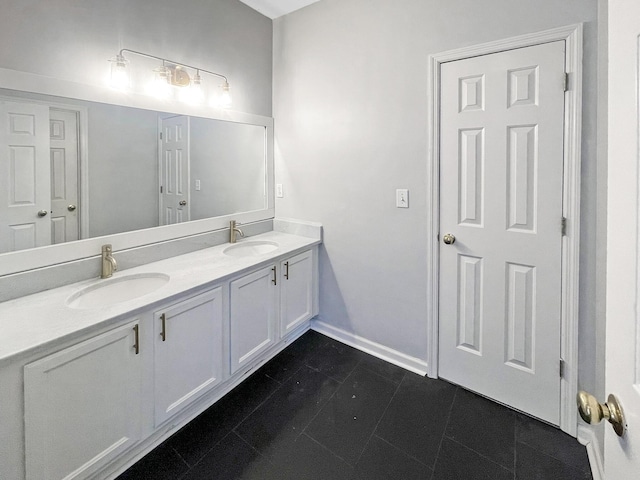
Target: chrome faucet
(233, 230)
(109, 264)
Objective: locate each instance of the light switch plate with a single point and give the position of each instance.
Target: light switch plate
(402, 198)
(197, 185)
(279, 191)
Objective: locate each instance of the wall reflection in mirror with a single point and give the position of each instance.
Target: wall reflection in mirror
(72, 169)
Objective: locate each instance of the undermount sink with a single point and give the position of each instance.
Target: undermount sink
(250, 248)
(116, 290)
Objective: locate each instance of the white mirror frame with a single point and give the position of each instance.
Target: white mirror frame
(22, 260)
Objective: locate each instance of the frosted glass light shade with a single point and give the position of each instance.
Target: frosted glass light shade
(225, 98)
(160, 86)
(119, 73)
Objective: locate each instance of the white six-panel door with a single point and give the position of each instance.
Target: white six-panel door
(501, 167)
(174, 170)
(63, 131)
(622, 455)
(24, 176)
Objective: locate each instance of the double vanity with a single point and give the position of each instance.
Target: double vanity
(97, 373)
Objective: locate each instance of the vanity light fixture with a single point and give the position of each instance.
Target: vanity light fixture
(170, 74)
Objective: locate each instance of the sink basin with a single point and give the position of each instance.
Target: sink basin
(250, 248)
(116, 290)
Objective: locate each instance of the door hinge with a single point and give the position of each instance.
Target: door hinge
(561, 368)
(565, 85)
(564, 226)
(161, 189)
(161, 132)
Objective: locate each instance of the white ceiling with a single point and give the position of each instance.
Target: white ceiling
(277, 8)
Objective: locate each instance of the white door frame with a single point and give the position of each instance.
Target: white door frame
(572, 35)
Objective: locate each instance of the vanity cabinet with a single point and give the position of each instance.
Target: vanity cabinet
(96, 401)
(253, 311)
(188, 352)
(275, 298)
(296, 291)
(83, 405)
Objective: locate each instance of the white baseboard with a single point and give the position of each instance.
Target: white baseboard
(588, 438)
(400, 359)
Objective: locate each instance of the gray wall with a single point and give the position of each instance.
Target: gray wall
(73, 40)
(350, 105)
(123, 169)
(229, 160)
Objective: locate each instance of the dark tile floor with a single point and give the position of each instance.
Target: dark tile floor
(321, 410)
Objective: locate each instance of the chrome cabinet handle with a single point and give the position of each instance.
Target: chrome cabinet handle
(286, 270)
(136, 345)
(163, 333)
(274, 280)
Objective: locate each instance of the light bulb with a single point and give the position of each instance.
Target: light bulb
(193, 94)
(225, 98)
(160, 86)
(119, 73)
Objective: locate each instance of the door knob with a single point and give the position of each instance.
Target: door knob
(183, 202)
(449, 239)
(42, 213)
(71, 208)
(593, 412)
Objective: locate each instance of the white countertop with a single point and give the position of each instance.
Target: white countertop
(36, 321)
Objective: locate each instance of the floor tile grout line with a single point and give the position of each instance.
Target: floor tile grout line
(533, 447)
(303, 432)
(477, 453)
(274, 379)
(572, 467)
(180, 457)
(327, 449)
(210, 450)
(218, 443)
(401, 450)
(233, 429)
(280, 385)
(380, 375)
(252, 447)
(375, 429)
(444, 431)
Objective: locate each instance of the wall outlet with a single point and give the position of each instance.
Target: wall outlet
(279, 191)
(402, 198)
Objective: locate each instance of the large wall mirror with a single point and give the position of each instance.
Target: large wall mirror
(92, 166)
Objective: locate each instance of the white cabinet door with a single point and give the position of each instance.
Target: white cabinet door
(296, 291)
(253, 314)
(188, 352)
(82, 406)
